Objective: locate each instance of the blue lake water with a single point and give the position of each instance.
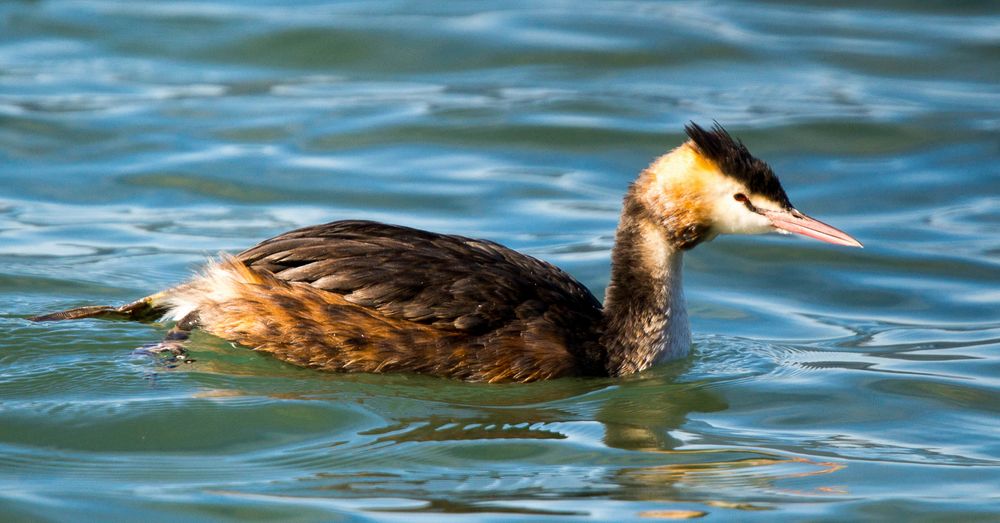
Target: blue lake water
(137, 139)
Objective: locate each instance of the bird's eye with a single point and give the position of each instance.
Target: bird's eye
(742, 198)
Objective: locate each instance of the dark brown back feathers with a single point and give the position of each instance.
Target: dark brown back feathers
(452, 283)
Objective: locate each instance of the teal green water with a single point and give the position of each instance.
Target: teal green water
(139, 138)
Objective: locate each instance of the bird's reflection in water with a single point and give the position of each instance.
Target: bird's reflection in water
(457, 448)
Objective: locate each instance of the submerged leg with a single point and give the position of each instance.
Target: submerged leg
(171, 350)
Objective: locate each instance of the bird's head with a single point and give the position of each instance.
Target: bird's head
(712, 185)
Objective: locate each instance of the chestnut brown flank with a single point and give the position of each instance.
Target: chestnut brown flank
(305, 326)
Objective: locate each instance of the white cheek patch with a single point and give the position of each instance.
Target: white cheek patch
(735, 218)
(732, 216)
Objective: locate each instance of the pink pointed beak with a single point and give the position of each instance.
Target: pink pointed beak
(795, 222)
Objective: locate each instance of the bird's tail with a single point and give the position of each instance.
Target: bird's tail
(145, 309)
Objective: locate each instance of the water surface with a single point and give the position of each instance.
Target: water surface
(139, 138)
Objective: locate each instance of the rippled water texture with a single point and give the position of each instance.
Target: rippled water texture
(139, 138)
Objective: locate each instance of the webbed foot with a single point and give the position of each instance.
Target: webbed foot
(169, 352)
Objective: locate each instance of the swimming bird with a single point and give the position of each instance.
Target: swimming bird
(361, 296)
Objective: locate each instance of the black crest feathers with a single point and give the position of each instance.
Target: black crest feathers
(735, 160)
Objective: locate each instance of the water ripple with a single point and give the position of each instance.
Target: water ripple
(139, 139)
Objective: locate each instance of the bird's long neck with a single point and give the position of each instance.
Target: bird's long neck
(645, 318)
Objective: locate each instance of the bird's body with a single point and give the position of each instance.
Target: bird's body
(370, 297)
(358, 296)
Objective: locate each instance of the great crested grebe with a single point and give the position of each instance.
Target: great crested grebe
(359, 296)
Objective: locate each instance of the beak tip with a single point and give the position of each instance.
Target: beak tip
(851, 241)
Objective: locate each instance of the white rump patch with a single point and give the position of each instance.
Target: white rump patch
(217, 284)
